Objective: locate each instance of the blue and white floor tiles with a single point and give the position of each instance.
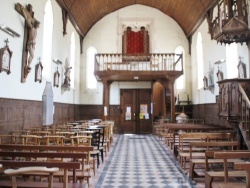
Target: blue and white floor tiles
(141, 161)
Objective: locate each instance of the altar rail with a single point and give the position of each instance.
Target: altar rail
(139, 62)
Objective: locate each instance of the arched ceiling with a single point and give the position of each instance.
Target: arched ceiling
(187, 13)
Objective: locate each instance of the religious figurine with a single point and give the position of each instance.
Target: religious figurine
(210, 76)
(219, 74)
(205, 85)
(241, 69)
(38, 72)
(67, 77)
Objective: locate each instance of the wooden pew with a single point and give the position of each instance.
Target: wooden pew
(244, 166)
(173, 129)
(201, 137)
(51, 152)
(208, 146)
(225, 173)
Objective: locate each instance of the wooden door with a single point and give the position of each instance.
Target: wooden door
(136, 111)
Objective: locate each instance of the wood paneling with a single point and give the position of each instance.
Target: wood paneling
(95, 112)
(210, 113)
(63, 113)
(20, 114)
(84, 13)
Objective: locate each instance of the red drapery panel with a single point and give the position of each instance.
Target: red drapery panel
(135, 42)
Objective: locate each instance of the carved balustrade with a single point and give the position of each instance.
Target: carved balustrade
(139, 62)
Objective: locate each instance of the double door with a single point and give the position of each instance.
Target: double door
(135, 111)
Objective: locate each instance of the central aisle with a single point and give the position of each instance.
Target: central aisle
(141, 161)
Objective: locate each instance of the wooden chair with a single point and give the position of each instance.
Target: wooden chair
(31, 139)
(84, 140)
(54, 140)
(106, 137)
(67, 135)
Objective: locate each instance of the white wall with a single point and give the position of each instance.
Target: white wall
(105, 36)
(165, 35)
(31, 90)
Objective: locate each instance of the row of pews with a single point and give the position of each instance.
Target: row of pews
(207, 151)
(54, 156)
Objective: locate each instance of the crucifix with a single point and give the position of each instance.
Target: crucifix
(6, 41)
(29, 40)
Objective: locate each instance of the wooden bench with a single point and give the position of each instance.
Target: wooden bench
(201, 137)
(208, 146)
(225, 173)
(244, 166)
(41, 151)
(195, 128)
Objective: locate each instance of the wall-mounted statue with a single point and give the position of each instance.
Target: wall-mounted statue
(66, 83)
(29, 41)
(67, 76)
(241, 69)
(205, 84)
(219, 74)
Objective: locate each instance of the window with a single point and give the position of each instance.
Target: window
(180, 81)
(47, 41)
(72, 59)
(90, 67)
(200, 70)
(232, 60)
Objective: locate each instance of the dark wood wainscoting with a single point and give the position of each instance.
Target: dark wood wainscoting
(95, 112)
(64, 113)
(17, 114)
(210, 113)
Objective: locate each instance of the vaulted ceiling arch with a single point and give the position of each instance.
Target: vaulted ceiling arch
(85, 13)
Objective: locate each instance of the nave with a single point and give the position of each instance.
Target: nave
(141, 161)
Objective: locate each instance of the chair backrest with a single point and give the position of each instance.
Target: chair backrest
(31, 139)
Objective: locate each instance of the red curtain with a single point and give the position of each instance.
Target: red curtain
(135, 43)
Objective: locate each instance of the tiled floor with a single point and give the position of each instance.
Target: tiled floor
(143, 161)
(140, 161)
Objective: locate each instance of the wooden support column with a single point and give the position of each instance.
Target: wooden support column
(169, 84)
(105, 103)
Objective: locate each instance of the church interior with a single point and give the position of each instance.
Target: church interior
(170, 73)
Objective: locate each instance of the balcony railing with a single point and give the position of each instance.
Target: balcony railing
(139, 62)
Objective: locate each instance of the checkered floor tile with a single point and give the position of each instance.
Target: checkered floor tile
(140, 161)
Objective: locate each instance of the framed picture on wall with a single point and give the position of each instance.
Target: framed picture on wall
(5, 59)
